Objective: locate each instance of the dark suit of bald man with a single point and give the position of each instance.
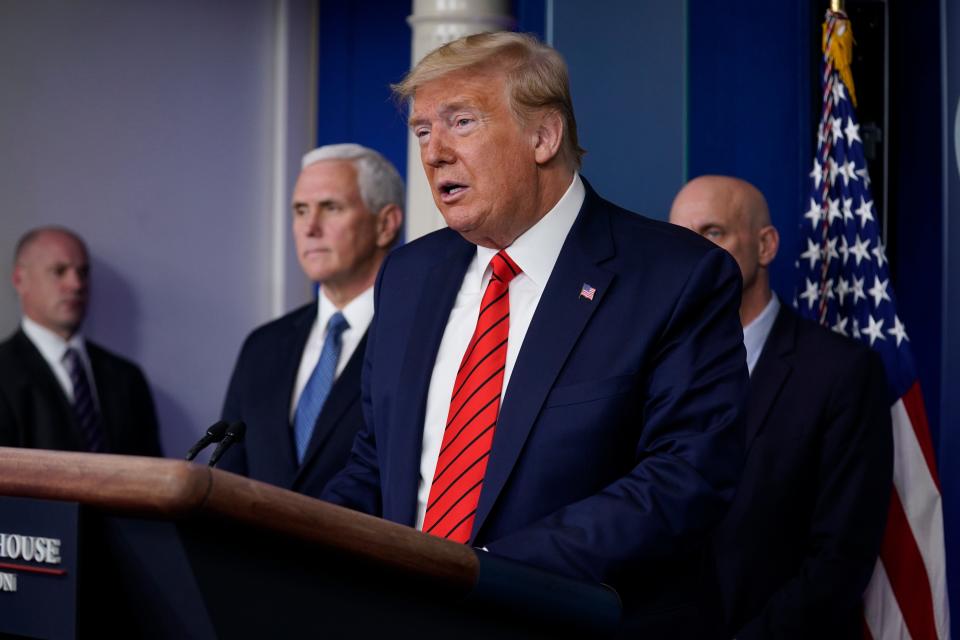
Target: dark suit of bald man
(35, 412)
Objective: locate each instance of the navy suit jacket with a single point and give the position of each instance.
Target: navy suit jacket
(259, 394)
(798, 546)
(35, 412)
(619, 439)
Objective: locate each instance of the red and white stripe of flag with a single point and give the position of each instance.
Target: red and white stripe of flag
(907, 595)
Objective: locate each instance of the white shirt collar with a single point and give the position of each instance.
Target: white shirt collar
(51, 346)
(358, 312)
(537, 249)
(755, 334)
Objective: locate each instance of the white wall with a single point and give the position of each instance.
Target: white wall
(168, 135)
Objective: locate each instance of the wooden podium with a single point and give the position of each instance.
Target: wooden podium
(171, 549)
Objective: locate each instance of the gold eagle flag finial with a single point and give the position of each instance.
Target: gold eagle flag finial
(838, 45)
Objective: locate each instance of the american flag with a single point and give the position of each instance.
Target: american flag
(586, 291)
(844, 283)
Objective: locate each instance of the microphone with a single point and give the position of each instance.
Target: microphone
(214, 434)
(234, 434)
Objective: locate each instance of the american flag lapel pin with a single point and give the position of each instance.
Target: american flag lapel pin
(587, 292)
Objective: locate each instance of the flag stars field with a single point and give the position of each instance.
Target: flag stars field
(848, 172)
(853, 132)
(843, 288)
(811, 294)
(864, 211)
(857, 289)
(861, 249)
(812, 253)
(844, 250)
(898, 330)
(813, 214)
(833, 210)
(879, 291)
(817, 174)
(847, 209)
(880, 253)
(874, 329)
(840, 326)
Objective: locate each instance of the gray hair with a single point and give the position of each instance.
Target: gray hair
(379, 182)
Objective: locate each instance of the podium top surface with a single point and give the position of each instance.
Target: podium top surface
(175, 489)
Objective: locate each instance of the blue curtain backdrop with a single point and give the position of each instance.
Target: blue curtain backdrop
(363, 48)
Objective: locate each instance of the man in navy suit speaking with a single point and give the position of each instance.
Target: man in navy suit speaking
(552, 378)
(296, 383)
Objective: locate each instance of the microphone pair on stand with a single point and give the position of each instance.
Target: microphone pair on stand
(223, 433)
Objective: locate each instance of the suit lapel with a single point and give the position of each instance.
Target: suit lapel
(557, 324)
(280, 446)
(440, 287)
(39, 372)
(771, 372)
(111, 416)
(345, 391)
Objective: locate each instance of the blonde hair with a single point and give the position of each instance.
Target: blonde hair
(536, 76)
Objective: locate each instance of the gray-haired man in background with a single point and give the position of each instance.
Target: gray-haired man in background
(296, 383)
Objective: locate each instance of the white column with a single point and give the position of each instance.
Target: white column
(294, 116)
(436, 22)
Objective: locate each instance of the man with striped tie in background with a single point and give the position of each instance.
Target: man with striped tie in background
(59, 390)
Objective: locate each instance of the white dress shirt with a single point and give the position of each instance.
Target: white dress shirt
(755, 334)
(535, 252)
(358, 314)
(52, 347)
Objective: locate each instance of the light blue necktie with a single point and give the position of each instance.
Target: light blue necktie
(318, 386)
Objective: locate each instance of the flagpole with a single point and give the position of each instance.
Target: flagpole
(907, 594)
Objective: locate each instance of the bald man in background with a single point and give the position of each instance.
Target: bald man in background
(57, 389)
(800, 541)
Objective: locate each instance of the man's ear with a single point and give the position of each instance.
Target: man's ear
(17, 278)
(769, 240)
(389, 221)
(549, 137)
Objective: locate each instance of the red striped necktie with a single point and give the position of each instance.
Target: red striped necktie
(472, 418)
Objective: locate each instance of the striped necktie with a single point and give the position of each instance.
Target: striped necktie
(318, 387)
(472, 419)
(84, 408)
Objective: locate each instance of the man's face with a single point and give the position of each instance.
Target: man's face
(719, 216)
(335, 233)
(479, 160)
(52, 279)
